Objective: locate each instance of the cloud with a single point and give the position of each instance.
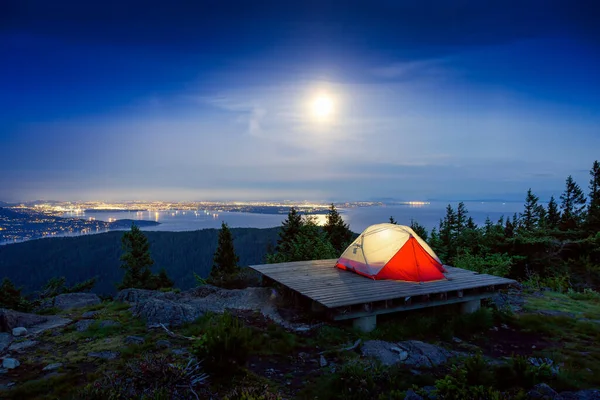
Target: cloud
(411, 69)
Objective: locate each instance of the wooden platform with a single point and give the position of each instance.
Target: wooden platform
(346, 295)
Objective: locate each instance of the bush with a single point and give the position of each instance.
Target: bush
(225, 345)
(11, 298)
(151, 377)
(252, 393)
(494, 264)
(587, 295)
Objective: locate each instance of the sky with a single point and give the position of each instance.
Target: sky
(215, 100)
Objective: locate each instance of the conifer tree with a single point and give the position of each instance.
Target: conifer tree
(225, 261)
(552, 214)
(393, 221)
(461, 217)
(163, 280)
(290, 228)
(593, 213)
(447, 234)
(471, 224)
(530, 217)
(136, 259)
(11, 298)
(572, 205)
(337, 231)
(419, 229)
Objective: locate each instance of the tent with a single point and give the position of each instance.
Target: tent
(389, 251)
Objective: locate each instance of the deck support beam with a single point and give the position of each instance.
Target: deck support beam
(470, 306)
(365, 324)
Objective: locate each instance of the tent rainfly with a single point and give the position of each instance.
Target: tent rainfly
(389, 251)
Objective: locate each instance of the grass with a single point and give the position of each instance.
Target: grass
(587, 308)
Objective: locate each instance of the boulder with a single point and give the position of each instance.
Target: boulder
(168, 312)
(543, 392)
(89, 314)
(590, 394)
(52, 367)
(10, 319)
(108, 323)
(10, 363)
(5, 341)
(19, 331)
(20, 346)
(105, 355)
(412, 353)
(83, 325)
(68, 301)
(134, 340)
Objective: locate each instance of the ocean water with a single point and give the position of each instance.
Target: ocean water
(358, 218)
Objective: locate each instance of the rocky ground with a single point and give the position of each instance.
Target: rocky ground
(85, 340)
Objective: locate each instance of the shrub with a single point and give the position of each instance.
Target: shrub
(520, 373)
(151, 377)
(494, 264)
(11, 298)
(252, 393)
(587, 294)
(226, 343)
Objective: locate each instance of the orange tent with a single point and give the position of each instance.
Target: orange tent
(389, 251)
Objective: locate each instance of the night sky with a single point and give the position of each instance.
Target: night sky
(124, 100)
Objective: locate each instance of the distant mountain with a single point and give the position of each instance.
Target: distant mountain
(31, 264)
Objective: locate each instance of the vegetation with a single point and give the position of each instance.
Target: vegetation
(225, 269)
(338, 232)
(10, 297)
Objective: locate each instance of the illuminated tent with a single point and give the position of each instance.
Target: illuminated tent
(388, 251)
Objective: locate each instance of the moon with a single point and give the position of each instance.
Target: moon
(322, 106)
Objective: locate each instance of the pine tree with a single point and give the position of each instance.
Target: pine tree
(136, 259)
(530, 217)
(552, 214)
(419, 229)
(337, 231)
(225, 261)
(163, 281)
(289, 230)
(11, 298)
(447, 234)
(311, 243)
(572, 205)
(393, 221)
(471, 224)
(461, 217)
(593, 212)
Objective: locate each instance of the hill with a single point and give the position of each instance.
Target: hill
(31, 264)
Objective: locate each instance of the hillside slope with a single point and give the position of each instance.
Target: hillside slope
(32, 263)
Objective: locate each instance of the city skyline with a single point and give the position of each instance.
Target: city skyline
(314, 100)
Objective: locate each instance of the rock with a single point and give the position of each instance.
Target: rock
(456, 340)
(10, 363)
(83, 325)
(10, 319)
(556, 313)
(168, 312)
(20, 331)
(163, 344)
(543, 392)
(512, 301)
(52, 322)
(108, 323)
(68, 301)
(322, 361)
(538, 362)
(412, 353)
(590, 394)
(52, 367)
(89, 314)
(3, 371)
(180, 352)
(411, 395)
(105, 355)
(5, 341)
(20, 346)
(134, 340)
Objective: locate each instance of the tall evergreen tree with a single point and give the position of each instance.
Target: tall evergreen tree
(530, 217)
(552, 214)
(393, 221)
(593, 213)
(447, 234)
(461, 217)
(337, 231)
(471, 224)
(419, 229)
(572, 205)
(311, 243)
(11, 298)
(136, 259)
(225, 261)
(290, 228)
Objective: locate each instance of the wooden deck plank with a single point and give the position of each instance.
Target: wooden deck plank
(320, 281)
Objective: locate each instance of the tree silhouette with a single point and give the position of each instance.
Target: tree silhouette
(225, 261)
(337, 231)
(572, 205)
(136, 260)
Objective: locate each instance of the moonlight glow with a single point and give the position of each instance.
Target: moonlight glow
(322, 106)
